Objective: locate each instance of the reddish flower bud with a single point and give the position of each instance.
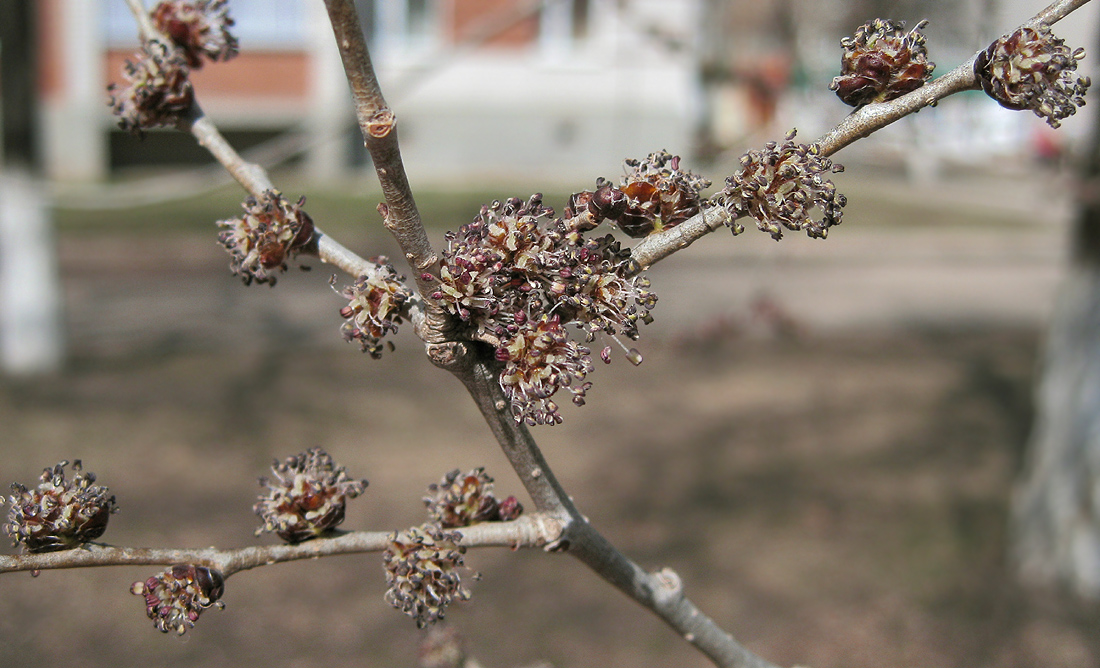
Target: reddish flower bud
(59, 514)
(1033, 69)
(607, 202)
(460, 500)
(882, 62)
(781, 187)
(175, 598)
(307, 496)
(422, 572)
(376, 301)
(271, 231)
(199, 28)
(158, 92)
(514, 277)
(658, 195)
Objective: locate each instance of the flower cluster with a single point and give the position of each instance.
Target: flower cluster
(175, 598)
(374, 306)
(307, 496)
(270, 231)
(59, 514)
(657, 195)
(540, 360)
(158, 91)
(199, 28)
(516, 276)
(1033, 69)
(882, 62)
(461, 499)
(781, 186)
(422, 572)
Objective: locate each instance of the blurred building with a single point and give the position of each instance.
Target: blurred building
(565, 88)
(558, 90)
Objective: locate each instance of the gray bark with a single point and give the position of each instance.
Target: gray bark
(1056, 509)
(1056, 506)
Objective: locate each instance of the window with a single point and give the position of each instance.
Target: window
(260, 24)
(405, 25)
(563, 25)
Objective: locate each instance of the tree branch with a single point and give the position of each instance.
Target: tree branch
(857, 125)
(663, 594)
(378, 125)
(474, 365)
(251, 176)
(534, 530)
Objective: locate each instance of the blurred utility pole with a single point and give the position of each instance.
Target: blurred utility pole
(30, 333)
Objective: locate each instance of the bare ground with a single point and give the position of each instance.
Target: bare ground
(832, 490)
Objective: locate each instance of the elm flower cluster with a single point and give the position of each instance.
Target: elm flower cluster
(158, 89)
(175, 598)
(375, 301)
(271, 231)
(59, 514)
(658, 195)
(307, 497)
(198, 28)
(539, 361)
(516, 276)
(882, 62)
(421, 566)
(781, 186)
(1033, 69)
(461, 499)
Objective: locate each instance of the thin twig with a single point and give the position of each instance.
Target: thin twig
(663, 594)
(856, 125)
(480, 374)
(251, 176)
(534, 530)
(474, 365)
(660, 592)
(379, 127)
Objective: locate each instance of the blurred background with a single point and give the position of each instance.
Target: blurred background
(824, 438)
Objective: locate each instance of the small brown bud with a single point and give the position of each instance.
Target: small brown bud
(882, 62)
(421, 566)
(1033, 69)
(271, 231)
(307, 497)
(59, 514)
(158, 91)
(175, 598)
(199, 28)
(462, 499)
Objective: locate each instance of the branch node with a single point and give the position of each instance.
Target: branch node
(670, 580)
(381, 123)
(559, 545)
(424, 264)
(449, 355)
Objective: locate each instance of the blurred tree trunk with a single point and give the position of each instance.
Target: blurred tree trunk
(1056, 508)
(31, 340)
